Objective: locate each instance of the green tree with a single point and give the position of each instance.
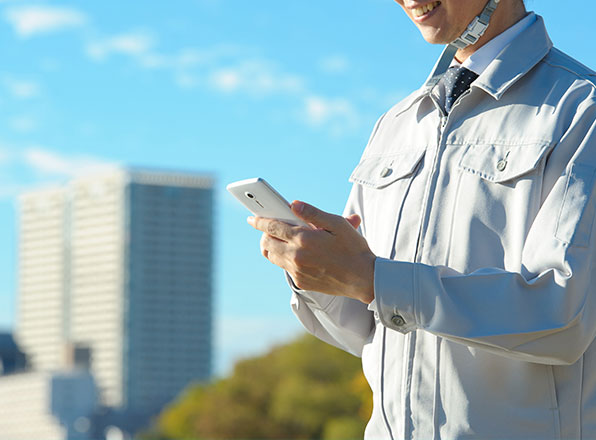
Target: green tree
(303, 390)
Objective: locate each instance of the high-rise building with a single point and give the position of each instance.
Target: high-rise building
(12, 359)
(42, 279)
(47, 406)
(115, 273)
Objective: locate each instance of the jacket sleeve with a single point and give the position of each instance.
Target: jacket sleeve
(544, 314)
(343, 322)
(339, 321)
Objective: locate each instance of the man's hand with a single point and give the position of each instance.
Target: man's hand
(332, 257)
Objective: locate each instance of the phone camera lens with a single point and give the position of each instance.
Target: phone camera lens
(249, 195)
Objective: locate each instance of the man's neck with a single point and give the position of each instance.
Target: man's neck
(503, 18)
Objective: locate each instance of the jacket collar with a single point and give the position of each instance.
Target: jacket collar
(517, 59)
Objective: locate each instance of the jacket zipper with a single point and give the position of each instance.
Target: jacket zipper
(407, 422)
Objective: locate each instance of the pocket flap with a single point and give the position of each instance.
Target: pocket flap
(500, 163)
(381, 171)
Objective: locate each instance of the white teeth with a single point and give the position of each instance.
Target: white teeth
(419, 12)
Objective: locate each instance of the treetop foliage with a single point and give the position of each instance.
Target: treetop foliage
(303, 390)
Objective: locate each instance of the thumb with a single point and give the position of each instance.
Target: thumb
(354, 220)
(315, 216)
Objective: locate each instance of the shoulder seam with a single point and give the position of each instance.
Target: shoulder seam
(589, 77)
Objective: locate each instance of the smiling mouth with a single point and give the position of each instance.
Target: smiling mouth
(423, 10)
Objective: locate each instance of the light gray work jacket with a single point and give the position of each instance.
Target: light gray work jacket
(483, 225)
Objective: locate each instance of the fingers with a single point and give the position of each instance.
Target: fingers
(275, 228)
(315, 216)
(279, 240)
(287, 257)
(276, 251)
(264, 246)
(324, 220)
(354, 220)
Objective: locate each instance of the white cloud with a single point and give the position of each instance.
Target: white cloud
(136, 44)
(227, 80)
(184, 59)
(211, 56)
(334, 64)
(320, 110)
(44, 161)
(255, 77)
(191, 56)
(32, 20)
(220, 68)
(140, 45)
(23, 168)
(22, 89)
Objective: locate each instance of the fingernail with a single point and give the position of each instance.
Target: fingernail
(298, 206)
(250, 220)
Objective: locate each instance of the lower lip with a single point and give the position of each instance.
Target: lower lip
(426, 16)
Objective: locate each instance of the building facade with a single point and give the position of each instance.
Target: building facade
(48, 406)
(12, 359)
(115, 273)
(42, 278)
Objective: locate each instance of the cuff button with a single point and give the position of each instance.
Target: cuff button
(398, 321)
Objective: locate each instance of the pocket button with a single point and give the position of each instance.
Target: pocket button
(501, 165)
(386, 172)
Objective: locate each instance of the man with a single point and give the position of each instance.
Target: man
(462, 270)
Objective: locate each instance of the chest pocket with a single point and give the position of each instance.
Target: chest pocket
(385, 182)
(497, 198)
(503, 163)
(381, 171)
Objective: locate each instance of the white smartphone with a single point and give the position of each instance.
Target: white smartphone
(263, 201)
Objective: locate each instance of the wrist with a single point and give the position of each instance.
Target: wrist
(366, 293)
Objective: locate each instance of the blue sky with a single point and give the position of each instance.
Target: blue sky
(288, 91)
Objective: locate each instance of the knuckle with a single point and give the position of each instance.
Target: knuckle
(300, 259)
(272, 228)
(339, 220)
(302, 239)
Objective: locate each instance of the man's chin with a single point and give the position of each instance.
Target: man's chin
(436, 39)
(437, 35)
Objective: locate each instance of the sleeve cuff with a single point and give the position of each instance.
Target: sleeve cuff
(395, 294)
(315, 300)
